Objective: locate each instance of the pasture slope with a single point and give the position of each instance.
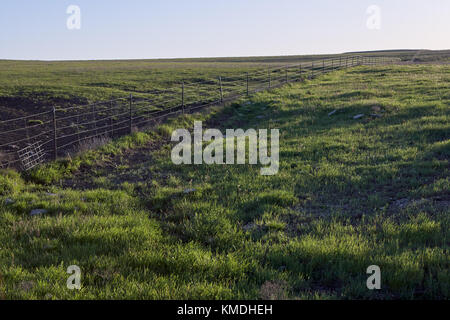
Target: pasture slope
(28, 87)
(349, 193)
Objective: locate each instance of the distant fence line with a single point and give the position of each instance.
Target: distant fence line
(36, 138)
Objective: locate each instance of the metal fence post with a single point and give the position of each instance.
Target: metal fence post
(247, 85)
(287, 79)
(268, 72)
(312, 69)
(95, 118)
(221, 89)
(323, 66)
(111, 128)
(26, 129)
(131, 112)
(55, 144)
(182, 96)
(78, 127)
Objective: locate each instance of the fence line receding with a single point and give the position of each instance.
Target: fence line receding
(35, 138)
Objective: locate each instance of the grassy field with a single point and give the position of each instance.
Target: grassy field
(32, 86)
(28, 87)
(349, 193)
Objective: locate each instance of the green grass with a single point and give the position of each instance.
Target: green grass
(349, 194)
(28, 87)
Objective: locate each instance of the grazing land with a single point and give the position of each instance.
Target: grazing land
(349, 193)
(28, 87)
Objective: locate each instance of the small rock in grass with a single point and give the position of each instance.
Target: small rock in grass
(358, 116)
(259, 117)
(51, 194)
(249, 226)
(332, 112)
(376, 108)
(401, 203)
(9, 201)
(48, 246)
(26, 285)
(189, 190)
(36, 212)
(376, 115)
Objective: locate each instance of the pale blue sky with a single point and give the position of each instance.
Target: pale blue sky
(133, 29)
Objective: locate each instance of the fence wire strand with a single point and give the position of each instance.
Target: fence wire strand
(120, 115)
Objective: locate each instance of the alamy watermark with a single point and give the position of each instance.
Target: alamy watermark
(374, 281)
(374, 20)
(74, 20)
(74, 281)
(213, 153)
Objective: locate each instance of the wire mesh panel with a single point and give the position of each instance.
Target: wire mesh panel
(64, 128)
(31, 155)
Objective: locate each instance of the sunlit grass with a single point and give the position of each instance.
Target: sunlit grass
(349, 194)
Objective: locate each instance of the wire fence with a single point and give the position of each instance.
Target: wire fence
(36, 138)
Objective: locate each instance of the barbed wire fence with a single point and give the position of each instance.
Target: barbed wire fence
(36, 138)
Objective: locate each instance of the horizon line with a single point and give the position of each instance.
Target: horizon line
(218, 57)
